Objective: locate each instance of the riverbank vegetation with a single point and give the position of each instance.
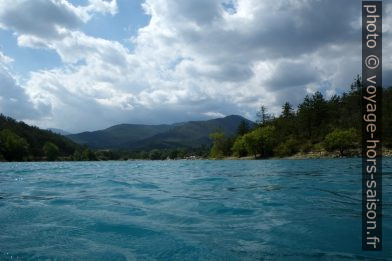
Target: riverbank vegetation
(325, 126)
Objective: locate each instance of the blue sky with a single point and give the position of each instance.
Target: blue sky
(88, 64)
(120, 27)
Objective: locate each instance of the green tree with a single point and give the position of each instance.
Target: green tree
(242, 128)
(287, 110)
(13, 147)
(287, 148)
(340, 140)
(262, 116)
(77, 155)
(239, 148)
(260, 141)
(173, 154)
(357, 85)
(313, 114)
(88, 155)
(36, 138)
(218, 141)
(251, 144)
(286, 124)
(266, 139)
(155, 154)
(221, 145)
(51, 151)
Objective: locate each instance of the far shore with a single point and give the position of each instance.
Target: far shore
(386, 153)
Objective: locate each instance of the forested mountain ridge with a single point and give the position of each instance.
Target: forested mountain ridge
(192, 134)
(19, 141)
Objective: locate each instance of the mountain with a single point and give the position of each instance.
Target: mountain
(192, 134)
(118, 136)
(59, 131)
(31, 140)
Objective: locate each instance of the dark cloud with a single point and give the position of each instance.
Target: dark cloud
(292, 74)
(278, 32)
(38, 18)
(201, 12)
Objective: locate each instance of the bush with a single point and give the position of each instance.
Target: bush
(306, 147)
(88, 155)
(155, 155)
(287, 148)
(260, 141)
(340, 140)
(51, 151)
(239, 148)
(77, 155)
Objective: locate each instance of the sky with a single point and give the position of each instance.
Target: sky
(84, 65)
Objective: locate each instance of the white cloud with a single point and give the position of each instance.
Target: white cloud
(102, 6)
(14, 101)
(194, 59)
(39, 21)
(214, 114)
(4, 59)
(39, 18)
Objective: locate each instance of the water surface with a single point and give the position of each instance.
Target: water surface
(187, 210)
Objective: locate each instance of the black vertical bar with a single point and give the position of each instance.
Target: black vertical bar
(371, 126)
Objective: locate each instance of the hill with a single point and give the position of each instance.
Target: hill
(19, 141)
(192, 134)
(118, 136)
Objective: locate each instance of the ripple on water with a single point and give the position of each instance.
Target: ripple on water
(186, 210)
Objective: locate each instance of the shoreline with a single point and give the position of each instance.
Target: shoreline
(387, 153)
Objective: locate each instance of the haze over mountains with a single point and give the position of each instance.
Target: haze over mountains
(59, 131)
(192, 134)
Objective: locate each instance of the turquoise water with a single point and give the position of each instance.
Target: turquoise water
(186, 210)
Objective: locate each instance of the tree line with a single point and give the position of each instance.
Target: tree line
(21, 142)
(317, 125)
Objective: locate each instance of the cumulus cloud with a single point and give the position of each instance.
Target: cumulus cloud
(101, 6)
(40, 20)
(14, 101)
(194, 59)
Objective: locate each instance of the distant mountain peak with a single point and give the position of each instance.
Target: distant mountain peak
(140, 136)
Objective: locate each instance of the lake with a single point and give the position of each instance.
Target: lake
(187, 210)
